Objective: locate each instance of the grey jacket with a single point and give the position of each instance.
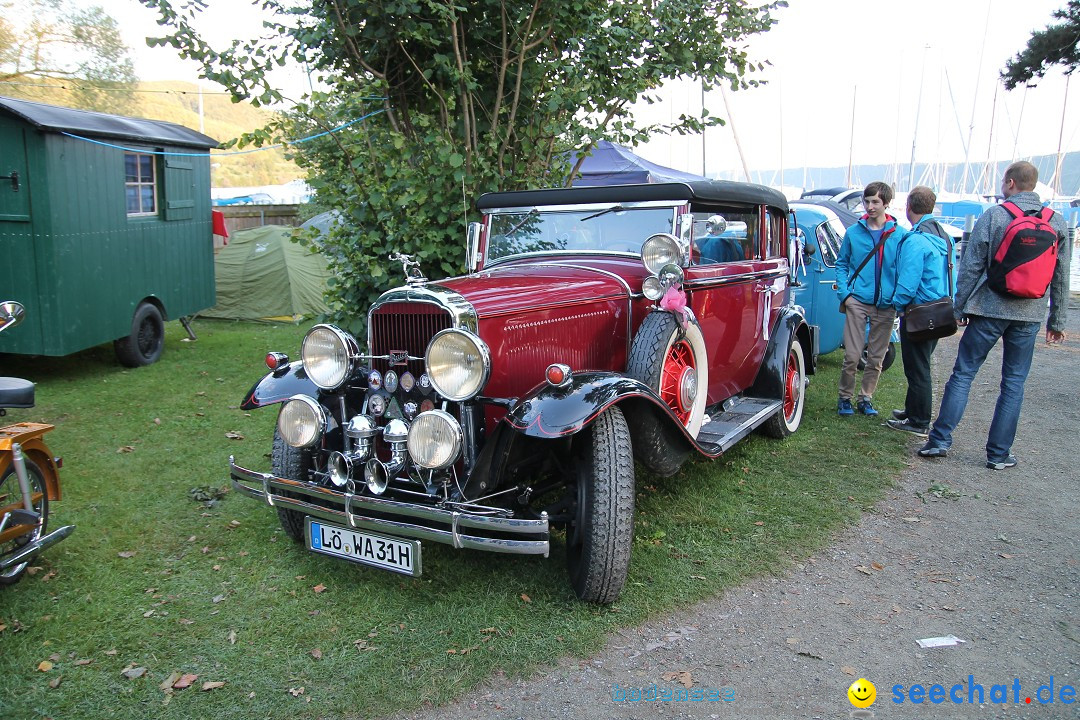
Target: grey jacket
(974, 297)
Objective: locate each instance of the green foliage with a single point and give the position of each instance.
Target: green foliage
(42, 40)
(1058, 44)
(472, 98)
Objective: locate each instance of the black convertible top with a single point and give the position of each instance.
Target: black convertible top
(102, 125)
(718, 191)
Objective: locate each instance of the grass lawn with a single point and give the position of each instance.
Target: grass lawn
(154, 580)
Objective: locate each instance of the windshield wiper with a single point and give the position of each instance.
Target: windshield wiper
(524, 220)
(613, 208)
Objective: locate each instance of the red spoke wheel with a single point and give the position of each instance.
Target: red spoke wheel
(789, 418)
(673, 362)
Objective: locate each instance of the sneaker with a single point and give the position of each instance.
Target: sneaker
(865, 407)
(843, 407)
(906, 425)
(1001, 464)
(933, 451)
(899, 414)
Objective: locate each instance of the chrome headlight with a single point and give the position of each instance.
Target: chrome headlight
(652, 288)
(330, 356)
(301, 421)
(661, 249)
(435, 440)
(458, 364)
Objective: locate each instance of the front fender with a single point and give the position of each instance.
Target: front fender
(791, 325)
(550, 412)
(29, 437)
(279, 386)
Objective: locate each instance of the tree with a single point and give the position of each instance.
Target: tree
(1058, 44)
(53, 42)
(461, 98)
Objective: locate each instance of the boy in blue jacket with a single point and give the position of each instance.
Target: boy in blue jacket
(922, 267)
(866, 295)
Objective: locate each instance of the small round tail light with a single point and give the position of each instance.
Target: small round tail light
(558, 374)
(275, 360)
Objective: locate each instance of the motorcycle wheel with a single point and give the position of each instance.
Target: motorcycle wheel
(12, 495)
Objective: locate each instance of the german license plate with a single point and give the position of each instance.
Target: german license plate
(400, 556)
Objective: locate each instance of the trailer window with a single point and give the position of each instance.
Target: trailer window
(140, 184)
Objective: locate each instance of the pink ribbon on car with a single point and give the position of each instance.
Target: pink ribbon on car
(674, 301)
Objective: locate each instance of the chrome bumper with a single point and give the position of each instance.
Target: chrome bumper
(356, 511)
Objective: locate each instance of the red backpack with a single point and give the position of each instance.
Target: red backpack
(1023, 265)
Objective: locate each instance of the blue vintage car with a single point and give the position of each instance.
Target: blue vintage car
(822, 226)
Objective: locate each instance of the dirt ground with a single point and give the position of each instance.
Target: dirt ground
(990, 557)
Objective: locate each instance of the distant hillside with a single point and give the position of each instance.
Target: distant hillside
(178, 102)
(222, 120)
(949, 176)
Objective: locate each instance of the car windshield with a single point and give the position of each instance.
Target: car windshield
(598, 229)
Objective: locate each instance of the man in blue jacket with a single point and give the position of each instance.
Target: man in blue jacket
(922, 275)
(864, 282)
(991, 316)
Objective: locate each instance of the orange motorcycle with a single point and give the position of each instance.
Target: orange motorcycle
(29, 474)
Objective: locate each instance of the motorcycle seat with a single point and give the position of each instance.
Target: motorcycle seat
(16, 393)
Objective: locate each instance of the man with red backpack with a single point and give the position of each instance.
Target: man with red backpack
(1016, 250)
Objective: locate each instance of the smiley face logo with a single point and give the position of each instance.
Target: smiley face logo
(862, 693)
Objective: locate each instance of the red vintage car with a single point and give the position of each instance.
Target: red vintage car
(595, 326)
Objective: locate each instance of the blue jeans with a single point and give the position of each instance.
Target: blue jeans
(981, 334)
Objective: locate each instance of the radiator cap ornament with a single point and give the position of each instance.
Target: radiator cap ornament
(411, 268)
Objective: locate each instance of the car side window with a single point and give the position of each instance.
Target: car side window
(725, 235)
(828, 244)
(774, 223)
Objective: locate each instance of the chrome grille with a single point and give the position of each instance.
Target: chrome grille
(405, 326)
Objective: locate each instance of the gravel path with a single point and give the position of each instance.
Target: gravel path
(991, 558)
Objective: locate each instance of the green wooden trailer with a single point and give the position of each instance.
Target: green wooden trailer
(105, 229)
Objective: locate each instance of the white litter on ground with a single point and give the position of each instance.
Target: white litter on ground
(947, 641)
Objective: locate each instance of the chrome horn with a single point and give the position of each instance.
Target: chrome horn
(359, 432)
(377, 474)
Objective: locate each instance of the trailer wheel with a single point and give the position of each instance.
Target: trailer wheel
(288, 462)
(11, 496)
(147, 339)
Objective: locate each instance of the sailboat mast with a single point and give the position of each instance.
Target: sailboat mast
(974, 100)
(918, 110)
(851, 145)
(1061, 135)
(735, 135)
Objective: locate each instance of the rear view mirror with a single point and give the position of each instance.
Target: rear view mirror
(472, 252)
(11, 314)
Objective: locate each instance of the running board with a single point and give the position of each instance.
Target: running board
(735, 423)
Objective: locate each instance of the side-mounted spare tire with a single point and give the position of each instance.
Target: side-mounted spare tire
(673, 362)
(145, 343)
(599, 538)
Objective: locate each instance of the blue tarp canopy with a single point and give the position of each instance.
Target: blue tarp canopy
(611, 164)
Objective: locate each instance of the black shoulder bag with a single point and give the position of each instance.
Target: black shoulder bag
(935, 319)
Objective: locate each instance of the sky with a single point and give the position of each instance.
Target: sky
(847, 80)
(919, 75)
